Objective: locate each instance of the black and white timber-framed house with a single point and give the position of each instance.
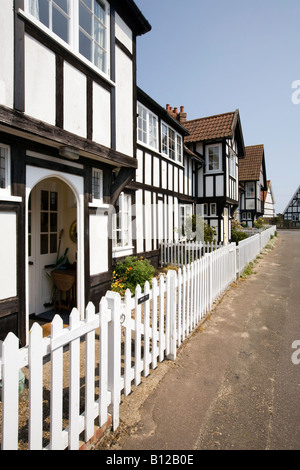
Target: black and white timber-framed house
(291, 213)
(269, 202)
(67, 145)
(162, 193)
(253, 185)
(219, 141)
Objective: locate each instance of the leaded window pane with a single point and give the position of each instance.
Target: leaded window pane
(2, 168)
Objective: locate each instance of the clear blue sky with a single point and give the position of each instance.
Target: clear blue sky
(215, 56)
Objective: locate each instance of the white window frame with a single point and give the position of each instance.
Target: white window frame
(250, 194)
(167, 149)
(125, 211)
(232, 164)
(73, 44)
(149, 130)
(97, 173)
(220, 166)
(6, 191)
(185, 211)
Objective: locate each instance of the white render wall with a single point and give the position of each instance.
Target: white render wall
(7, 53)
(75, 119)
(98, 243)
(8, 255)
(101, 115)
(124, 103)
(40, 81)
(123, 33)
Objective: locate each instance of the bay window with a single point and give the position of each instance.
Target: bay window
(82, 24)
(250, 190)
(92, 32)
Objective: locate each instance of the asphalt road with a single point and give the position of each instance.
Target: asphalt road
(234, 385)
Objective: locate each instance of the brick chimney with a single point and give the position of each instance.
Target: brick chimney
(182, 115)
(179, 116)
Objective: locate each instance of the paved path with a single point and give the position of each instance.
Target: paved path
(233, 384)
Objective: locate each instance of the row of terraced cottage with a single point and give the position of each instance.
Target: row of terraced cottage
(90, 165)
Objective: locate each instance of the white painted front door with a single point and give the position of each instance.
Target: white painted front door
(43, 233)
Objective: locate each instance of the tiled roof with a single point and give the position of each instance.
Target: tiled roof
(212, 127)
(250, 166)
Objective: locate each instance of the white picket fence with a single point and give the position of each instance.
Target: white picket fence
(249, 248)
(93, 361)
(183, 252)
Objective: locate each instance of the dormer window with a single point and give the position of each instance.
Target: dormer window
(82, 24)
(214, 158)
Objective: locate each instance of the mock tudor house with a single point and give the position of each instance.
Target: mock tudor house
(67, 146)
(219, 141)
(269, 202)
(292, 210)
(253, 183)
(154, 207)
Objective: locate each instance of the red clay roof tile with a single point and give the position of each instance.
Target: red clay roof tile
(250, 166)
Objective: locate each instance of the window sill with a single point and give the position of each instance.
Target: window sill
(8, 198)
(214, 172)
(99, 204)
(122, 251)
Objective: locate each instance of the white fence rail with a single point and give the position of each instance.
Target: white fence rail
(249, 248)
(93, 361)
(183, 252)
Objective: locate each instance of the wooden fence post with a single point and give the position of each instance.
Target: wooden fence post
(172, 332)
(35, 362)
(10, 393)
(114, 354)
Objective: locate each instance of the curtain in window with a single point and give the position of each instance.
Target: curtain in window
(34, 8)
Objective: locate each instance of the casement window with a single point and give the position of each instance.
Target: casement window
(82, 24)
(171, 143)
(4, 170)
(214, 158)
(147, 127)
(122, 233)
(205, 208)
(185, 219)
(231, 165)
(250, 190)
(97, 184)
(213, 208)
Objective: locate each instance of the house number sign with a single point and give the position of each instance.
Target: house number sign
(143, 299)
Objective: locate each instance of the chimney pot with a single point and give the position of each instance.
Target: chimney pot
(182, 109)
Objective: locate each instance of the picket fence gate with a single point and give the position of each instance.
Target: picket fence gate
(94, 360)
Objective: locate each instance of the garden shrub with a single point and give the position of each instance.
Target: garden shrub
(130, 272)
